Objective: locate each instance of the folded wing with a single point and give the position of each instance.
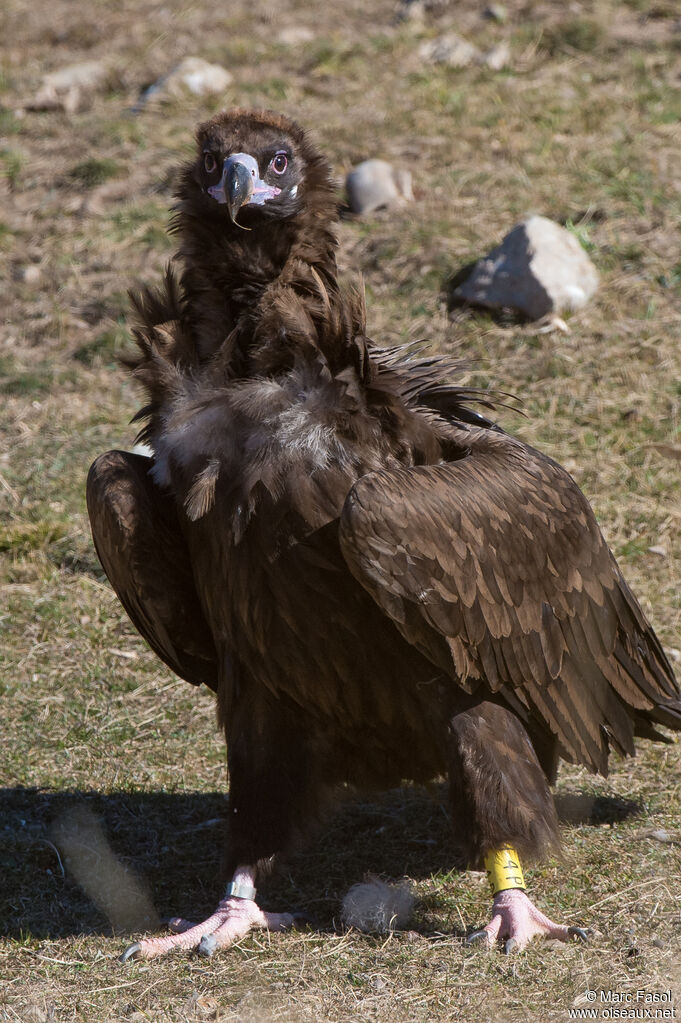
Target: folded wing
(142, 550)
(495, 568)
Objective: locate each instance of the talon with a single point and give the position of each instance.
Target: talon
(517, 920)
(476, 937)
(207, 945)
(130, 952)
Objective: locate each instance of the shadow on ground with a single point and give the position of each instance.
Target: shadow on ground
(82, 862)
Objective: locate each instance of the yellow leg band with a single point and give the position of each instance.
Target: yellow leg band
(504, 870)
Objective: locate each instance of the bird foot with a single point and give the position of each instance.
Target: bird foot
(233, 919)
(517, 920)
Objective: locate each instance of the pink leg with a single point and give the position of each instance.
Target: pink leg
(233, 919)
(517, 919)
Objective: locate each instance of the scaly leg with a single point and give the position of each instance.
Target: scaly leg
(267, 805)
(236, 915)
(516, 919)
(500, 796)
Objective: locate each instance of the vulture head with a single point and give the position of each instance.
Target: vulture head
(256, 167)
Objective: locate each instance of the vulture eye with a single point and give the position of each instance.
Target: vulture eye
(279, 163)
(209, 162)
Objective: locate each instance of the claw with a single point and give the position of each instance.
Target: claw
(130, 952)
(207, 945)
(516, 920)
(476, 937)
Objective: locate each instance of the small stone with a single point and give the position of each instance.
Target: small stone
(538, 268)
(294, 35)
(450, 49)
(498, 57)
(659, 550)
(376, 183)
(496, 12)
(192, 75)
(199, 77)
(660, 835)
(31, 274)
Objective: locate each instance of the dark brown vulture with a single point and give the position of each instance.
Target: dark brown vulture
(378, 583)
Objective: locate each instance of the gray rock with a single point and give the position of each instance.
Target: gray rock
(450, 49)
(661, 835)
(376, 183)
(539, 268)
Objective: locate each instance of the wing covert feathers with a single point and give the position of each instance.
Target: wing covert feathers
(142, 551)
(499, 553)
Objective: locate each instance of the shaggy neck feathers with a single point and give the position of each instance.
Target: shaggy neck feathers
(234, 278)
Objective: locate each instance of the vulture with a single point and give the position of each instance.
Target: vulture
(377, 582)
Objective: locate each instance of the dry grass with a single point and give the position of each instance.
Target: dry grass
(583, 128)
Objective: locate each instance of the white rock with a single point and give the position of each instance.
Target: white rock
(498, 57)
(450, 49)
(295, 34)
(200, 77)
(192, 75)
(376, 183)
(31, 274)
(377, 907)
(539, 268)
(496, 12)
(69, 88)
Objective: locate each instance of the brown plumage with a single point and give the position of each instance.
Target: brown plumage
(377, 582)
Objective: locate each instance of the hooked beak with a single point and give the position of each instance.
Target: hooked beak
(241, 185)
